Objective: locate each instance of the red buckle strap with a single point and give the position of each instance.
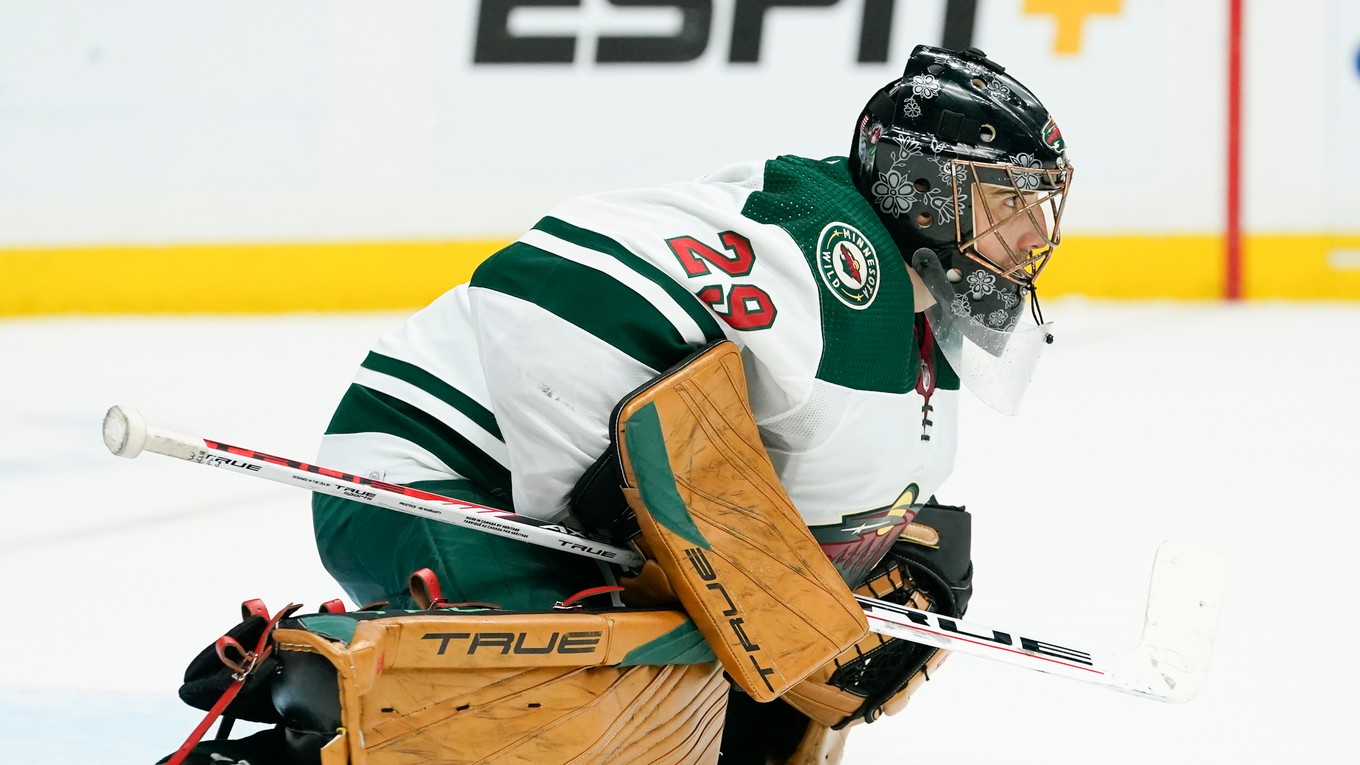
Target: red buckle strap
(253, 607)
(425, 591)
(424, 587)
(589, 592)
(242, 662)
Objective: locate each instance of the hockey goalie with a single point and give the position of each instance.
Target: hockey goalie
(752, 380)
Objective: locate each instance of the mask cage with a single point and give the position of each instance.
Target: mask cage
(1045, 194)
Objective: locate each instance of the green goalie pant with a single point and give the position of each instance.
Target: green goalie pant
(372, 552)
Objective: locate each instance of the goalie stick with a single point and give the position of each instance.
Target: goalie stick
(126, 434)
(1168, 664)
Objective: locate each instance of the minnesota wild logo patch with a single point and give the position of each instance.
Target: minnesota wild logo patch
(848, 265)
(1053, 136)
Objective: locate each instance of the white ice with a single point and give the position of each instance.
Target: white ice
(1233, 425)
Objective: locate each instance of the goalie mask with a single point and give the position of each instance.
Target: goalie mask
(968, 172)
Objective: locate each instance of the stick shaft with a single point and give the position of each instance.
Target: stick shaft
(388, 496)
(1168, 665)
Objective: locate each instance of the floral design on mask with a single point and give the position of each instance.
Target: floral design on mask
(1026, 181)
(943, 204)
(997, 318)
(895, 192)
(925, 85)
(951, 172)
(981, 284)
(911, 108)
(960, 307)
(1009, 298)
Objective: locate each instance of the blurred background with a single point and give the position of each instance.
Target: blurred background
(210, 211)
(160, 156)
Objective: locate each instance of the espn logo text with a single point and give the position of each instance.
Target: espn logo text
(496, 43)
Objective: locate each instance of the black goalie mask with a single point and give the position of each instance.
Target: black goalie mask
(969, 173)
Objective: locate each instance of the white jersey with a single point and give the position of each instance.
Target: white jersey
(516, 373)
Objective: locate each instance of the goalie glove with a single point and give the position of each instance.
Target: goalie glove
(940, 541)
(930, 569)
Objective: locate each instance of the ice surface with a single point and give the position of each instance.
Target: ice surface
(1230, 425)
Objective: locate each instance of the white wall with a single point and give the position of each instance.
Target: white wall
(149, 121)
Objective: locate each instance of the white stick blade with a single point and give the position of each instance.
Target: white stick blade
(1184, 600)
(124, 431)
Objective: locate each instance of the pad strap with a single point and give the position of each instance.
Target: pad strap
(244, 662)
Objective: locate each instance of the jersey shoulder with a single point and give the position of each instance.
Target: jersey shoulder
(867, 307)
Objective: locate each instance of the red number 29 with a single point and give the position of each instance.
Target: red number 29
(743, 306)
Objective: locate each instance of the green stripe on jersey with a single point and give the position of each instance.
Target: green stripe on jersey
(363, 410)
(589, 299)
(869, 349)
(428, 382)
(598, 242)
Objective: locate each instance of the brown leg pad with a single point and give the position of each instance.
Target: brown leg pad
(717, 520)
(432, 688)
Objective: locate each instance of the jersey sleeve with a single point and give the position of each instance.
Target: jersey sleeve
(567, 323)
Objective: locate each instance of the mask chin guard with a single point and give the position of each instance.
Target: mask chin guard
(995, 362)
